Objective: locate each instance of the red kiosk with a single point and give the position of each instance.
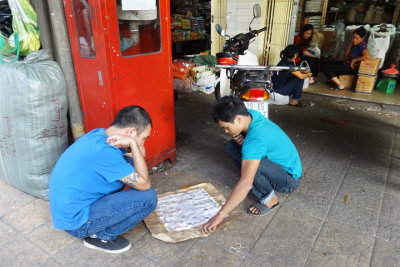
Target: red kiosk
(122, 56)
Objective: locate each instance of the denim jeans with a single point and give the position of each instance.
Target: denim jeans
(117, 213)
(293, 87)
(270, 176)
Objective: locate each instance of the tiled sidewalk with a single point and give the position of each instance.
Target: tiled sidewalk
(346, 211)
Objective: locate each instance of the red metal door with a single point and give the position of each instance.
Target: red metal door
(131, 66)
(87, 46)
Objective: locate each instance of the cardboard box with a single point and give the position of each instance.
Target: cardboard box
(369, 66)
(365, 84)
(347, 80)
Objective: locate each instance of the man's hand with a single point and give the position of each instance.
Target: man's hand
(212, 224)
(239, 139)
(120, 141)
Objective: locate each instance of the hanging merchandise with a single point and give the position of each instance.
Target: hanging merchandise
(378, 16)
(351, 15)
(33, 122)
(24, 23)
(369, 15)
(339, 37)
(378, 45)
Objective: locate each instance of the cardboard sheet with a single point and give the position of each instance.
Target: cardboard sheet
(180, 215)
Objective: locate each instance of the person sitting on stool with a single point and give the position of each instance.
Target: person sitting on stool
(290, 83)
(356, 52)
(302, 41)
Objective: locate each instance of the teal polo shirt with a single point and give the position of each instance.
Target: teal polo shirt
(264, 139)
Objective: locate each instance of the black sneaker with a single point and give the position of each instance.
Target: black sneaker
(118, 245)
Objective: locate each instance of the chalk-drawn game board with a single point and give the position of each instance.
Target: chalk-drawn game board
(186, 210)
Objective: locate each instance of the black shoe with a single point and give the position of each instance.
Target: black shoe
(118, 245)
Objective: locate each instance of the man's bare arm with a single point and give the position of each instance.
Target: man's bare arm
(242, 188)
(134, 180)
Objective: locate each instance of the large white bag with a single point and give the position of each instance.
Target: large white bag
(33, 122)
(378, 45)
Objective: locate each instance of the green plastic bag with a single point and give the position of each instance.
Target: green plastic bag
(6, 48)
(24, 22)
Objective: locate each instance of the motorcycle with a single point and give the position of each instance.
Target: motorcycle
(250, 82)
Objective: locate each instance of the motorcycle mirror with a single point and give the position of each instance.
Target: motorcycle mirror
(220, 30)
(256, 11)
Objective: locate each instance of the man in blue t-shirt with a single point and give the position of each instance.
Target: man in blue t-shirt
(86, 196)
(266, 157)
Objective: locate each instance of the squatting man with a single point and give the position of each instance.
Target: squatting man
(86, 196)
(265, 156)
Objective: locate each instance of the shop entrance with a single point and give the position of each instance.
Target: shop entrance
(334, 23)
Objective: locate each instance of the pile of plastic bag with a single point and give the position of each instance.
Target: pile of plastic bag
(22, 36)
(199, 75)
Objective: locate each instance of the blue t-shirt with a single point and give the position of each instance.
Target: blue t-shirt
(356, 51)
(88, 170)
(280, 79)
(264, 139)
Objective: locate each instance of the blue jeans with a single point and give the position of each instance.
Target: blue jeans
(293, 87)
(117, 213)
(270, 176)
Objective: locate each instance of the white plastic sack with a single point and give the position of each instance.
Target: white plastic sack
(383, 30)
(206, 83)
(314, 50)
(278, 99)
(378, 46)
(33, 122)
(306, 82)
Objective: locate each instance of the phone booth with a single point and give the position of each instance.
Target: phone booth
(122, 56)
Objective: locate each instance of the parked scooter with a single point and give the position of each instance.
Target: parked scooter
(250, 81)
(235, 52)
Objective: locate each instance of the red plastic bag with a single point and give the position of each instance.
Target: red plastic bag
(181, 68)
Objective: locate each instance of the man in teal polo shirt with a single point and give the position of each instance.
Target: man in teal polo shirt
(266, 157)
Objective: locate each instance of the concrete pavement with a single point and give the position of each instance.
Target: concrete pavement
(346, 211)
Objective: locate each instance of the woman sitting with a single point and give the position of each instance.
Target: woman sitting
(355, 53)
(290, 83)
(302, 41)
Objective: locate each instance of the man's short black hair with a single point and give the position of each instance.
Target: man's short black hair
(132, 116)
(227, 108)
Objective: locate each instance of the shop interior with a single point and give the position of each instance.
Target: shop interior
(192, 67)
(190, 26)
(334, 21)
